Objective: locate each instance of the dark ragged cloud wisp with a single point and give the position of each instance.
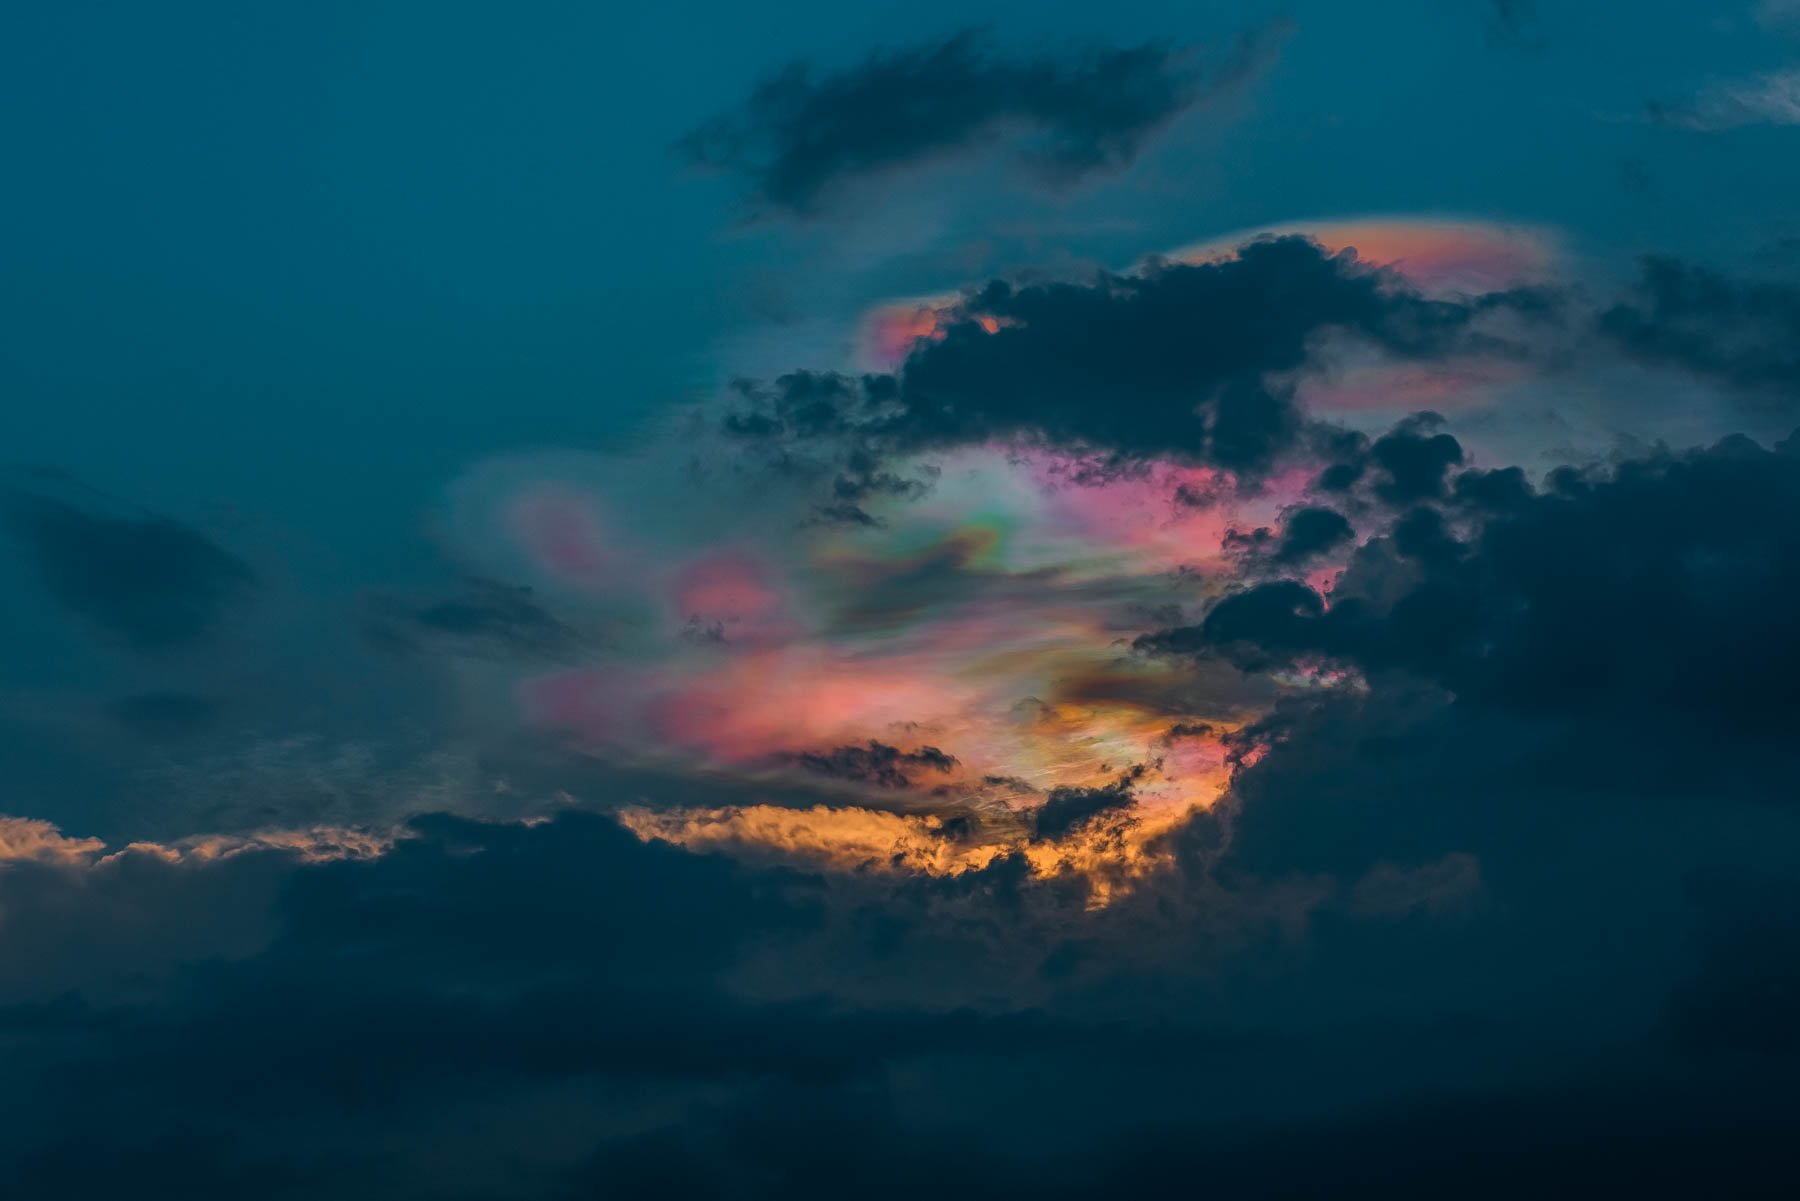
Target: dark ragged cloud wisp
(803, 135)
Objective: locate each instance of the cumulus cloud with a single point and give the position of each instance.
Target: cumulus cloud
(1183, 360)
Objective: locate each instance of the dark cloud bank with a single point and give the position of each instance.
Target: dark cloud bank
(1517, 916)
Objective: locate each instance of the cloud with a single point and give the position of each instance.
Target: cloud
(1745, 333)
(1554, 600)
(153, 582)
(24, 838)
(800, 137)
(1041, 825)
(1308, 531)
(1066, 808)
(579, 1005)
(1182, 360)
(488, 619)
(877, 763)
(1772, 98)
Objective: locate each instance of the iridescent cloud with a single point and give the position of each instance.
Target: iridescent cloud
(970, 633)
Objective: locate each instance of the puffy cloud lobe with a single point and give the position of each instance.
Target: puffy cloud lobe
(1307, 532)
(1647, 585)
(801, 136)
(1311, 531)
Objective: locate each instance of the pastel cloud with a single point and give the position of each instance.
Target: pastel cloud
(988, 617)
(826, 569)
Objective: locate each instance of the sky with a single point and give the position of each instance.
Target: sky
(991, 599)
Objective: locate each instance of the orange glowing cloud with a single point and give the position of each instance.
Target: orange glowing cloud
(891, 330)
(1110, 852)
(31, 839)
(28, 838)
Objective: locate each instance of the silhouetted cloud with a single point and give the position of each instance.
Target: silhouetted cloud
(1182, 360)
(1307, 532)
(1558, 598)
(1745, 333)
(877, 763)
(800, 135)
(1066, 808)
(153, 582)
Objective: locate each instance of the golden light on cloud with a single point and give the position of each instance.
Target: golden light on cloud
(1110, 852)
(23, 839)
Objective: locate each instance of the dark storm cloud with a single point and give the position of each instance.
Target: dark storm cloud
(151, 581)
(877, 763)
(577, 977)
(1745, 333)
(1175, 361)
(800, 135)
(1663, 582)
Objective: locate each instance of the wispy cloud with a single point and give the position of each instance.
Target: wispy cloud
(1772, 98)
